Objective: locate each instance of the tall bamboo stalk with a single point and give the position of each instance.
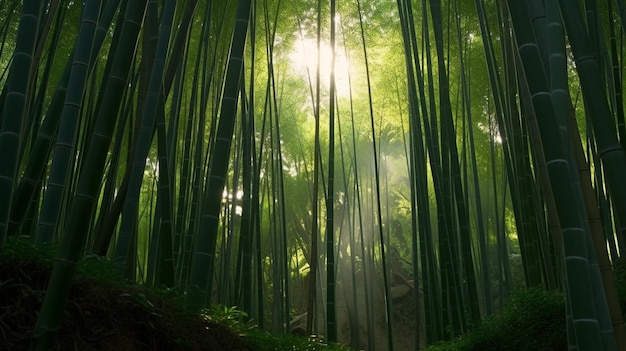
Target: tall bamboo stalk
(15, 108)
(200, 282)
(586, 317)
(331, 309)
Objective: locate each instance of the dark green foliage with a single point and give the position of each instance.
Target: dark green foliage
(21, 251)
(262, 341)
(18, 249)
(101, 313)
(533, 319)
(230, 317)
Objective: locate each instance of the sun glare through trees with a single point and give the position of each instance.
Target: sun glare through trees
(304, 59)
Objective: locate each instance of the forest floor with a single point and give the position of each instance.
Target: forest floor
(104, 314)
(101, 315)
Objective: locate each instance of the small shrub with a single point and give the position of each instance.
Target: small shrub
(230, 317)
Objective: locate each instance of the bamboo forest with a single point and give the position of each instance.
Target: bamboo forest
(385, 175)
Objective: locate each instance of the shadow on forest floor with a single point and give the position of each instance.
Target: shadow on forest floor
(101, 315)
(105, 314)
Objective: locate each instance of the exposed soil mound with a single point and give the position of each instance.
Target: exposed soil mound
(103, 316)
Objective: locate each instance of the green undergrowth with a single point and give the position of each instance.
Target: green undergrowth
(262, 340)
(104, 312)
(532, 319)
